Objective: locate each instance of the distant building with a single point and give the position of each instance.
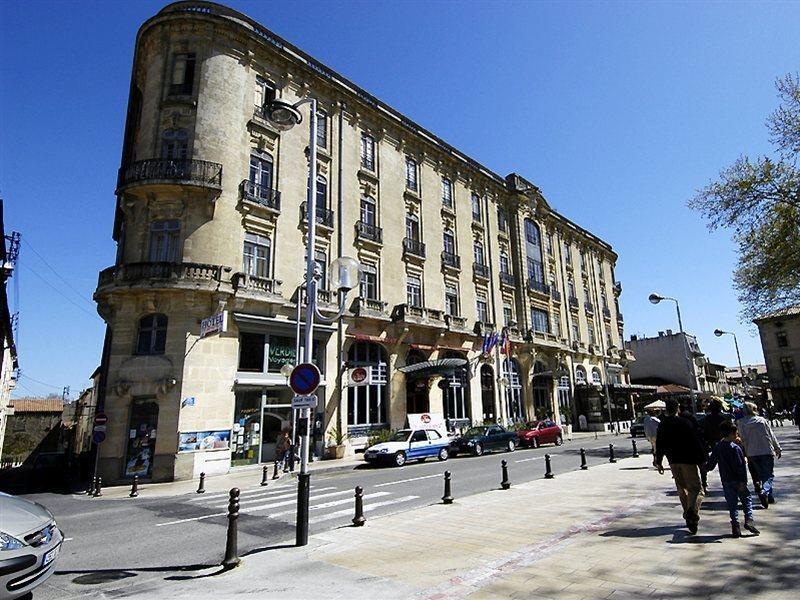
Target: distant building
(9, 365)
(669, 358)
(79, 418)
(34, 427)
(780, 342)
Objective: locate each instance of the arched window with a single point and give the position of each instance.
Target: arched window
(596, 378)
(322, 193)
(477, 249)
(542, 382)
(533, 252)
(174, 144)
(449, 241)
(505, 268)
(152, 337)
(515, 408)
(580, 375)
(369, 212)
(261, 169)
(367, 404)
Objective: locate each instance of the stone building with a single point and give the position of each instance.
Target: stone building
(33, 427)
(211, 220)
(8, 356)
(780, 342)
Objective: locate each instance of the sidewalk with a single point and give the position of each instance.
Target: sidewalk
(614, 531)
(243, 477)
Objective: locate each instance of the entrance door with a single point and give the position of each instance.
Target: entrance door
(417, 400)
(487, 393)
(142, 438)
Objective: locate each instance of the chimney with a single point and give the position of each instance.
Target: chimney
(669, 331)
(634, 338)
(660, 334)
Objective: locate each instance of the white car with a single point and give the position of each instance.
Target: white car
(409, 444)
(29, 544)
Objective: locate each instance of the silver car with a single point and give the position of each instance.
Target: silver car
(29, 544)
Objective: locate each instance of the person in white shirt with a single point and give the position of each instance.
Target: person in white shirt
(650, 423)
(761, 447)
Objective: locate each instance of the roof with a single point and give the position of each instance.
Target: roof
(30, 405)
(673, 388)
(789, 311)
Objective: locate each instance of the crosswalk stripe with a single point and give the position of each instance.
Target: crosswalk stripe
(406, 480)
(252, 500)
(261, 507)
(367, 508)
(242, 492)
(330, 504)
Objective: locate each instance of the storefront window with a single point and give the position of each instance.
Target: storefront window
(246, 437)
(515, 409)
(281, 352)
(251, 352)
(367, 404)
(141, 438)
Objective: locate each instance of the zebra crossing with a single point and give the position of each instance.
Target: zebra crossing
(327, 503)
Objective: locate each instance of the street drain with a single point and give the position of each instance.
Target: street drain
(102, 577)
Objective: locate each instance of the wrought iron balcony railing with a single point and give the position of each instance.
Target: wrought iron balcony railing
(324, 215)
(555, 294)
(367, 231)
(538, 286)
(480, 270)
(264, 196)
(508, 279)
(588, 307)
(451, 260)
(573, 302)
(413, 247)
(185, 171)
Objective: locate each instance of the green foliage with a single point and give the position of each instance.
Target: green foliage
(337, 436)
(759, 200)
(379, 436)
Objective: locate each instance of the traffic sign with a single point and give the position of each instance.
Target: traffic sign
(304, 379)
(99, 428)
(304, 402)
(99, 437)
(100, 419)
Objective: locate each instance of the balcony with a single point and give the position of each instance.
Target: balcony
(451, 261)
(370, 308)
(480, 270)
(160, 275)
(324, 215)
(252, 287)
(483, 328)
(412, 247)
(544, 338)
(418, 315)
(508, 280)
(588, 307)
(456, 323)
(539, 287)
(263, 196)
(573, 302)
(369, 232)
(606, 313)
(168, 171)
(555, 294)
(619, 317)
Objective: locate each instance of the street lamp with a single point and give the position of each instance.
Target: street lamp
(720, 333)
(608, 397)
(657, 298)
(504, 380)
(344, 274)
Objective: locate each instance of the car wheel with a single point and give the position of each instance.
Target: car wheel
(512, 445)
(535, 442)
(400, 459)
(444, 454)
(559, 440)
(478, 450)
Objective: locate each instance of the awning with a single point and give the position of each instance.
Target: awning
(428, 368)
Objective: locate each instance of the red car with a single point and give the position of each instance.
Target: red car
(537, 433)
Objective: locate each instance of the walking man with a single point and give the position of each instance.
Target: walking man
(678, 440)
(650, 424)
(761, 448)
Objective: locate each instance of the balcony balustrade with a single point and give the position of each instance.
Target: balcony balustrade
(324, 215)
(369, 232)
(413, 247)
(480, 270)
(451, 260)
(266, 197)
(538, 286)
(185, 171)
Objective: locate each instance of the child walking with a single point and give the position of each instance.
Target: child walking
(733, 473)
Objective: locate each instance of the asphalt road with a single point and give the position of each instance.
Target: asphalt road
(111, 542)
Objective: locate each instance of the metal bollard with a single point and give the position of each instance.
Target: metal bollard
(584, 466)
(448, 496)
(635, 449)
(134, 487)
(275, 472)
(548, 472)
(611, 458)
(359, 519)
(201, 489)
(505, 484)
(92, 486)
(264, 472)
(98, 487)
(231, 543)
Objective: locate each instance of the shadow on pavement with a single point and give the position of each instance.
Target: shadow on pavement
(632, 532)
(99, 576)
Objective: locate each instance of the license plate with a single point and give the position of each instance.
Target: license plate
(50, 556)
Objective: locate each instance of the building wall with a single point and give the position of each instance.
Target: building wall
(664, 357)
(780, 342)
(222, 127)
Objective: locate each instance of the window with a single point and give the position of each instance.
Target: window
(152, 338)
(412, 227)
(322, 193)
(434, 435)
(414, 291)
(531, 232)
(580, 375)
(592, 339)
(322, 268)
(449, 241)
(451, 300)
(476, 208)
(282, 352)
(367, 152)
(502, 219)
(368, 210)
(553, 287)
(477, 251)
(251, 352)
(556, 325)
(483, 308)
(540, 320)
(322, 129)
(447, 192)
(508, 314)
(515, 407)
(567, 253)
(783, 341)
(571, 288)
(265, 92)
(182, 80)
(504, 263)
(550, 244)
(411, 174)
(586, 291)
(165, 241)
(369, 282)
(603, 298)
(366, 404)
(596, 378)
(787, 365)
(256, 255)
(533, 252)
(261, 171)
(174, 144)
(535, 270)
(583, 260)
(576, 332)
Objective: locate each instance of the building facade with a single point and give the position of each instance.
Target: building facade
(211, 220)
(670, 358)
(8, 357)
(780, 342)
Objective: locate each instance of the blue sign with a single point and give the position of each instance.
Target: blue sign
(190, 401)
(99, 437)
(304, 379)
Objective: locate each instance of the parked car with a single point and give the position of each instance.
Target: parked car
(637, 427)
(478, 440)
(409, 444)
(537, 433)
(29, 544)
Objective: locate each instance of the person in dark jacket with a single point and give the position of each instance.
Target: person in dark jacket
(733, 474)
(712, 422)
(679, 441)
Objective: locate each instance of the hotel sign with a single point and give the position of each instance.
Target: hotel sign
(217, 323)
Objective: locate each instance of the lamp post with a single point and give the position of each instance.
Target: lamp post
(720, 333)
(504, 380)
(655, 299)
(608, 397)
(344, 274)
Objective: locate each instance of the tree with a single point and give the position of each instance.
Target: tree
(760, 201)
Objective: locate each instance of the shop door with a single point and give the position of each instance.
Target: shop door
(417, 396)
(487, 393)
(277, 417)
(141, 438)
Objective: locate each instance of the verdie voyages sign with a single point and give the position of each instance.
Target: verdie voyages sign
(217, 323)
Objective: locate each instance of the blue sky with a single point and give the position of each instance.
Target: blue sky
(618, 111)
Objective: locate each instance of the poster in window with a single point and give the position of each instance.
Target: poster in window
(204, 440)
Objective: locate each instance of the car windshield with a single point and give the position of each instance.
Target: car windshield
(473, 431)
(400, 436)
(532, 425)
